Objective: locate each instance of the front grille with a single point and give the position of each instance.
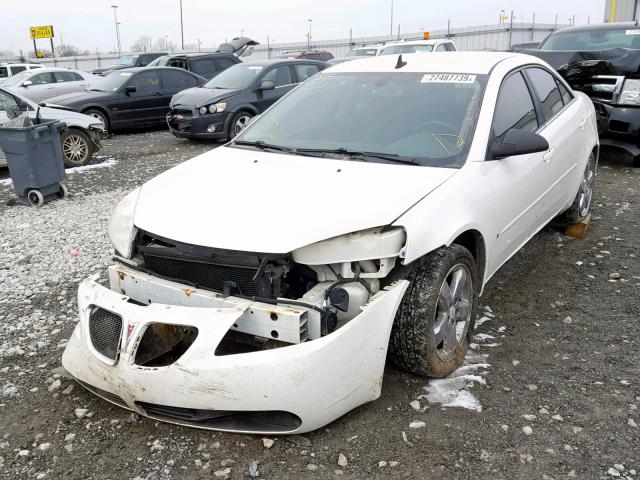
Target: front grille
(231, 279)
(105, 330)
(185, 112)
(605, 88)
(275, 421)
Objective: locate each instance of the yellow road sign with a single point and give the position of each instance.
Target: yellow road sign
(43, 31)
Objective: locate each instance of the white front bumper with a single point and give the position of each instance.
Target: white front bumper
(317, 381)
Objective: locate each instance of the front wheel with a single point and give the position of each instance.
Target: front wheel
(77, 149)
(100, 115)
(238, 123)
(432, 329)
(579, 209)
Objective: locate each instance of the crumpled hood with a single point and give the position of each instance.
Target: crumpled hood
(237, 199)
(197, 97)
(110, 68)
(577, 64)
(78, 98)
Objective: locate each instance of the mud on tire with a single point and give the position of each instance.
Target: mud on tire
(413, 344)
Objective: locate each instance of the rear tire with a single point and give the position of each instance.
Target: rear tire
(77, 148)
(94, 112)
(579, 209)
(433, 326)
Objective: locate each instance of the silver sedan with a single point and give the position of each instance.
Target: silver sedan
(44, 83)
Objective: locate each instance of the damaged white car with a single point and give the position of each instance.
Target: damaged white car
(258, 287)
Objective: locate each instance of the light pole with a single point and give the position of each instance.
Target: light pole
(309, 34)
(391, 25)
(182, 27)
(115, 19)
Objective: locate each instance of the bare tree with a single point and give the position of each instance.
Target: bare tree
(163, 44)
(142, 44)
(66, 50)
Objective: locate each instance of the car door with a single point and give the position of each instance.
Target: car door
(564, 129)
(519, 183)
(282, 78)
(42, 86)
(69, 82)
(147, 104)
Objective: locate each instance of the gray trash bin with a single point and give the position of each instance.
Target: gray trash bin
(34, 158)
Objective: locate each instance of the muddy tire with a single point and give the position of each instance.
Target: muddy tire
(77, 148)
(579, 209)
(422, 340)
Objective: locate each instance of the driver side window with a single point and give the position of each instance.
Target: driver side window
(514, 107)
(279, 76)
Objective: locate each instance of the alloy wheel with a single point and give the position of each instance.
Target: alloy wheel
(75, 149)
(453, 311)
(586, 188)
(241, 123)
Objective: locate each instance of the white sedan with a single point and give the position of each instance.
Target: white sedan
(259, 286)
(44, 83)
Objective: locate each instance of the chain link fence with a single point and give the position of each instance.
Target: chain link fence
(486, 37)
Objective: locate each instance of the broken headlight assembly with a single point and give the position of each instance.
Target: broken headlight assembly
(121, 228)
(630, 94)
(213, 108)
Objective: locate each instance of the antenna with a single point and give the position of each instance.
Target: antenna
(400, 63)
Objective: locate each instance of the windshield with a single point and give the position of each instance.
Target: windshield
(159, 62)
(17, 79)
(238, 76)
(128, 60)
(395, 49)
(111, 82)
(600, 39)
(427, 119)
(362, 52)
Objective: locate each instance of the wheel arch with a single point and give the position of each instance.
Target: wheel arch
(100, 108)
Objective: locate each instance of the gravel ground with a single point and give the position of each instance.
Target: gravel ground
(551, 389)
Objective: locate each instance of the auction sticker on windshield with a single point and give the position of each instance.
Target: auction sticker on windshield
(448, 78)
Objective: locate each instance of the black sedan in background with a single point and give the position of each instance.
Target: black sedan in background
(223, 107)
(132, 97)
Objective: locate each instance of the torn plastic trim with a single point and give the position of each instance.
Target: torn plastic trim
(317, 381)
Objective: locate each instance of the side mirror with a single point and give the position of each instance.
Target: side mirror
(518, 142)
(266, 86)
(27, 83)
(129, 89)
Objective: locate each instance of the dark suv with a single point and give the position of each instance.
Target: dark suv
(321, 55)
(223, 107)
(602, 61)
(128, 61)
(207, 65)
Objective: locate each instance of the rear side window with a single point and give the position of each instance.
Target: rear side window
(19, 69)
(174, 80)
(441, 48)
(547, 89)
(305, 71)
(203, 67)
(325, 56)
(514, 108)
(450, 47)
(566, 94)
(68, 77)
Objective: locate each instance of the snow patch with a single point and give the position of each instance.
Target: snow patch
(107, 163)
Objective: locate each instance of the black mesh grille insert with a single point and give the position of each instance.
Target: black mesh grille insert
(275, 421)
(105, 329)
(238, 279)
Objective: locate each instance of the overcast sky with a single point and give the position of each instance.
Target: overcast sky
(90, 24)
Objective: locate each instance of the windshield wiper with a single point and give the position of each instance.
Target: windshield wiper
(389, 157)
(263, 146)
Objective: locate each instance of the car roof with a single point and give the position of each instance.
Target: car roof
(443, 62)
(54, 69)
(601, 26)
(418, 42)
(199, 54)
(12, 64)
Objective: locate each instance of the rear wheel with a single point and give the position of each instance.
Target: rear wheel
(99, 114)
(77, 149)
(433, 325)
(35, 198)
(239, 122)
(579, 209)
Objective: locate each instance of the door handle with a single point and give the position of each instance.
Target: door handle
(50, 87)
(582, 123)
(548, 155)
